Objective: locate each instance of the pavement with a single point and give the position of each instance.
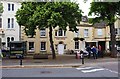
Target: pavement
(60, 61)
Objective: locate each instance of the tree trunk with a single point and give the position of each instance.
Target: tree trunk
(51, 43)
(113, 40)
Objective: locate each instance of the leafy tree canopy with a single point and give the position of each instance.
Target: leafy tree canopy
(47, 14)
(1, 8)
(105, 11)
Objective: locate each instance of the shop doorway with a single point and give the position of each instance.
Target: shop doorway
(61, 48)
(102, 44)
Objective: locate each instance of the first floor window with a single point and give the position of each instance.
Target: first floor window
(42, 32)
(8, 40)
(8, 7)
(76, 34)
(8, 22)
(31, 45)
(12, 7)
(85, 32)
(12, 23)
(60, 32)
(76, 44)
(43, 46)
(99, 32)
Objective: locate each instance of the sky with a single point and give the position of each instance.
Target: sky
(84, 6)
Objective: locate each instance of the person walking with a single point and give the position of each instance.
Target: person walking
(88, 49)
(99, 50)
(94, 50)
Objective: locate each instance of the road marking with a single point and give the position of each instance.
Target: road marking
(89, 69)
(112, 71)
(84, 68)
(92, 70)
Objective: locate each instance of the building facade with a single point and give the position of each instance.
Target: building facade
(98, 34)
(9, 28)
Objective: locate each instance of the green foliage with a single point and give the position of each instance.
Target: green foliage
(1, 8)
(48, 14)
(105, 11)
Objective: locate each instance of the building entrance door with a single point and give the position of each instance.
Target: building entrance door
(60, 49)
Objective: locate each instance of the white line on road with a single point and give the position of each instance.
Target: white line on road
(112, 71)
(93, 70)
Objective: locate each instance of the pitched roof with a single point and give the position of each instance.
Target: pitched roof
(100, 24)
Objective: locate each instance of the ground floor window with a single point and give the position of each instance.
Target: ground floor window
(118, 45)
(43, 46)
(76, 44)
(8, 40)
(31, 45)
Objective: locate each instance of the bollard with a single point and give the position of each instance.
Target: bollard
(21, 62)
(82, 57)
(20, 57)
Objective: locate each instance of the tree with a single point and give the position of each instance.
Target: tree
(1, 8)
(1, 11)
(107, 11)
(49, 15)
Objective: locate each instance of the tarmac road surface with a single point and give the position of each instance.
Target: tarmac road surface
(95, 70)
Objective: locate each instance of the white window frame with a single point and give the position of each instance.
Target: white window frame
(32, 49)
(9, 6)
(76, 45)
(13, 7)
(76, 34)
(43, 33)
(86, 32)
(12, 22)
(57, 33)
(44, 49)
(12, 38)
(8, 22)
(99, 32)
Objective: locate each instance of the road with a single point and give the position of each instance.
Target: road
(93, 70)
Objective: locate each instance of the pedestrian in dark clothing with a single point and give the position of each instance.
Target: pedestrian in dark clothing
(88, 49)
(100, 53)
(94, 50)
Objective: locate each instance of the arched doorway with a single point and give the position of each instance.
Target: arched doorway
(61, 48)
